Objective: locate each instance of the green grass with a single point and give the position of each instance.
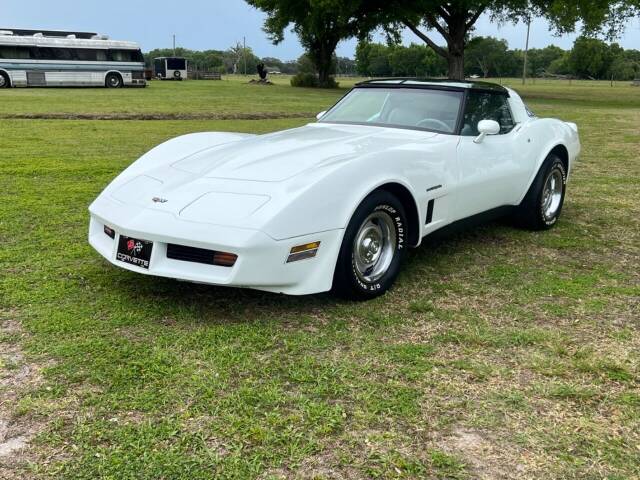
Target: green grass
(233, 95)
(499, 353)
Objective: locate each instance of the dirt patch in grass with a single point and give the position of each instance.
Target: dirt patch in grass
(16, 376)
(157, 116)
(485, 459)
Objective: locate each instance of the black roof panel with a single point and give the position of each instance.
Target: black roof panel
(436, 83)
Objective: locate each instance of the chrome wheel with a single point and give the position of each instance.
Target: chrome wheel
(3, 81)
(552, 194)
(374, 246)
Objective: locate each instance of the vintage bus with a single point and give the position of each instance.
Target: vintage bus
(40, 58)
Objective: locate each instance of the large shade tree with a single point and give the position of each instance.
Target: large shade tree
(319, 24)
(454, 20)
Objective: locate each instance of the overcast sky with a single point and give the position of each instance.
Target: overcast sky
(202, 24)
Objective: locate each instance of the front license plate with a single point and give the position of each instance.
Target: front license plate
(134, 251)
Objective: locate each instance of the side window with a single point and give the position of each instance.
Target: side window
(486, 106)
(86, 54)
(62, 53)
(15, 52)
(117, 55)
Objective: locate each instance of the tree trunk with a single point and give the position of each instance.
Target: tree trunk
(455, 48)
(456, 66)
(321, 53)
(324, 72)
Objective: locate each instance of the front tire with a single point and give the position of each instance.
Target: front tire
(372, 249)
(543, 203)
(4, 80)
(113, 80)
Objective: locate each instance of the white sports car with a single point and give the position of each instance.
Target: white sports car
(335, 204)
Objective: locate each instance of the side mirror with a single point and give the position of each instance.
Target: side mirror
(486, 127)
(321, 114)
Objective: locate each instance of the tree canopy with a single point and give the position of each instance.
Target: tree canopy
(455, 20)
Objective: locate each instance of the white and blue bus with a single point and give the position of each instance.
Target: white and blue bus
(40, 58)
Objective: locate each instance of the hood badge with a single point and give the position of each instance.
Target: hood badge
(159, 200)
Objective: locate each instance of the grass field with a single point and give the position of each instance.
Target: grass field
(500, 354)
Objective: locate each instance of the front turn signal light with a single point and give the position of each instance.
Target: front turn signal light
(302, 252)
(224, 259)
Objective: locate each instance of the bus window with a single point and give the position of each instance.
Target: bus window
(86, 54)
(126, 56)
(15, 52)
(62, 54)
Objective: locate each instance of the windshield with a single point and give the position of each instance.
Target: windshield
(435, 110)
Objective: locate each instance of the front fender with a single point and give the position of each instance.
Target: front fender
(329, 201)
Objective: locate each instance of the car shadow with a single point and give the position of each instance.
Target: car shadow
(216, 304)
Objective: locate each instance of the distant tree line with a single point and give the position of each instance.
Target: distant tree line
(235, 59)
(490, 57)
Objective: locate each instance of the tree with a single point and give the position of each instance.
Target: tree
(540, 59)
(488, 54)
(372, 59)
(560, 66)
(319, 24)
(454, 20)
(590, 58)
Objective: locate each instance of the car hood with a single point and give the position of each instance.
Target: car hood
(282, 155)
(228, 184)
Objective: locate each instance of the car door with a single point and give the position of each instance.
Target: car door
(490, 173)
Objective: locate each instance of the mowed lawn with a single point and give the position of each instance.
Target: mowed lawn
(501, 353)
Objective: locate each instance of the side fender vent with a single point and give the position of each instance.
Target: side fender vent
(430, 211)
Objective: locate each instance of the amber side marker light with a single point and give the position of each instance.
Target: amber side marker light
(224, 259)
(302, 252)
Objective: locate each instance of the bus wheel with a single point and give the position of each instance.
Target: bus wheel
(4, 80)
(113, 80)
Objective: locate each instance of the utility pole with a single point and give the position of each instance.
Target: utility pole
(174, 44)
(244, 53)
(526, 50)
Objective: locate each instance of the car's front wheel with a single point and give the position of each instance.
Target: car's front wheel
(542, 205)
(372, 248)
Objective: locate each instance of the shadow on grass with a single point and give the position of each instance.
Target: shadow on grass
(216, 304)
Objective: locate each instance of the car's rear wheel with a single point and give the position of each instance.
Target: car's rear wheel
(543, 203)
(372, 248)
(4, 80)
(113, 80)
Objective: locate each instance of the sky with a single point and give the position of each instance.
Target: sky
(214, 24)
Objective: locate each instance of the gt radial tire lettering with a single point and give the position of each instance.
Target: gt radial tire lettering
(564, 183)
(397, 220)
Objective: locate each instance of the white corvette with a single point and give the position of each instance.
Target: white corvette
(335, 204)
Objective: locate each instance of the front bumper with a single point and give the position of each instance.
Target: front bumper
(261, 262)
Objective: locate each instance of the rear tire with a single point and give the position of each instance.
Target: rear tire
(113, 80)
(542, 205)
(372, 249)
(4, 80)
